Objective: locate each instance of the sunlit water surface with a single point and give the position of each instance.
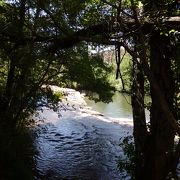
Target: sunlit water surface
(82, 144)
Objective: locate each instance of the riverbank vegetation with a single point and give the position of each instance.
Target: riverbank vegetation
(46, 42)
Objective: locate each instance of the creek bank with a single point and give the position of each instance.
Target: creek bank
(76, 102)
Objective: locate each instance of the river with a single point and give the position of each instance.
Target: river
(120, 107)
(83, 143)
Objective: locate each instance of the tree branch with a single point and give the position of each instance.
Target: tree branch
(162, 102)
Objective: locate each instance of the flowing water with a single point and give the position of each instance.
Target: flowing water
(83, 144)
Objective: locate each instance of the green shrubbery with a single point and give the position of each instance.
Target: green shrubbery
(126, 162)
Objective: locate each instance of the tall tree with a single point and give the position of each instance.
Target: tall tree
(44, 30)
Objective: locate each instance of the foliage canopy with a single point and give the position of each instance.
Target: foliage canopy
(40, 44)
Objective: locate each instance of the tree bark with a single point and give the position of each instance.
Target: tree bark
(139, 120)
(162, 135)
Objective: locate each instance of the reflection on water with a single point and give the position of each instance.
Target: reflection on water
(80, 145)
(120, 107)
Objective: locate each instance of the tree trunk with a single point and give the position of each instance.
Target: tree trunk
(139, 120)
(159, 156)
